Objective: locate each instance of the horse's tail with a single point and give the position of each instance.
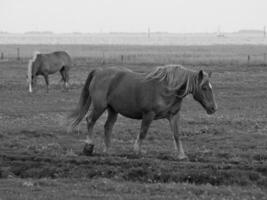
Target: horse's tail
(84, 102)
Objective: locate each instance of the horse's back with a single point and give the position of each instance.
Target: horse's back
(105, 79)
(110, 78)
(60, 56)
(55, 57)
(63, 55)
(53, 62)
(125, 91)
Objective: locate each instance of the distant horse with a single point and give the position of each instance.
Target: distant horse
(151, 96)
(46, 64)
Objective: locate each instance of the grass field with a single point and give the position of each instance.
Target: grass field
(227, 151)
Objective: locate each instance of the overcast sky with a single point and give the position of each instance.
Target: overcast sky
(132, 15)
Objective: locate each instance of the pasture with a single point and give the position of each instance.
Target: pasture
(227, 151)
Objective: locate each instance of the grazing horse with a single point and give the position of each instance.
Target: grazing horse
(46, 64)
(148, 97)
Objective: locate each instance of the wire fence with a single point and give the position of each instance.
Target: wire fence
(191, 58)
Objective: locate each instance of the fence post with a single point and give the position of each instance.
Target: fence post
(122, 59)
(103, 57)
(2, 55)
(18, 54)
(264, 57)
(248, 60)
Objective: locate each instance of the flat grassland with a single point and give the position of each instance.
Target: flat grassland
(227, 151)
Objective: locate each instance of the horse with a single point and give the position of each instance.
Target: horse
(143, 96)
(46, 64)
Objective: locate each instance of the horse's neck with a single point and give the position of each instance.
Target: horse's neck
(190, 84)
(35, 67)
(188, 87)
(34, 71)
(170, 101)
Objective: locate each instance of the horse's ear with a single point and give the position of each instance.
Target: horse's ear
(200, 76)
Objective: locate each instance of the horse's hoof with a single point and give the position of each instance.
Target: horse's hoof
(182, 158)
(106, 151)
(140, 152)
(88, 149)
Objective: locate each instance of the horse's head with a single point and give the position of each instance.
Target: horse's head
(203, 92)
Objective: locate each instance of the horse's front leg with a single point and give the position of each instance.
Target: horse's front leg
(33, 83)
(146, 121)
(174, 124)
(47, 82)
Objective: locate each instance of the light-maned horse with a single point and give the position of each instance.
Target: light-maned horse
(147, 97)
(46, 64)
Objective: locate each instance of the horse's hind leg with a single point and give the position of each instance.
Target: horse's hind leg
(91, 120)
(65, 76)
(112, 117)
(62, 74)
(146, 121)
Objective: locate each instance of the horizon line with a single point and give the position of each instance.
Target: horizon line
(126, 32)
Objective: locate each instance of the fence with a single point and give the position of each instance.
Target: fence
(244, 59)
(191, 58)
(5, 56)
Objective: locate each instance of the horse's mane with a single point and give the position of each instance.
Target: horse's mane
(29, 68)
(175, 76)
(35, 54)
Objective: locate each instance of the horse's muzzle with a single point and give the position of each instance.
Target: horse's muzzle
(212, 109)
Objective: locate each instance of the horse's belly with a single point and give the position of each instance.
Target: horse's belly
(132, 115)
(52, 71)
(126, 108)
(128, 111)
(54, 68)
